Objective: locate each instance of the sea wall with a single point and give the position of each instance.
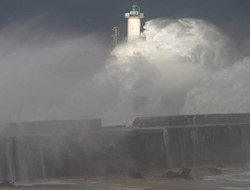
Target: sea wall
(80, 148)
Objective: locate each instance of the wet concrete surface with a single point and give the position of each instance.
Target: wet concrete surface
(237, 178)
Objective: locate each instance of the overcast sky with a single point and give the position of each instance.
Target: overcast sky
(232, 16)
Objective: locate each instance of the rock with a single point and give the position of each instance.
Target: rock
(7, 184)
(136, 175)
(215, 171)
(184, 173)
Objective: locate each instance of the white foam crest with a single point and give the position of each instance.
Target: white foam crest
(172, 58)
(167, 41)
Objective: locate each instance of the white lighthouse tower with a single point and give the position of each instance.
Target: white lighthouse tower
(134, 22)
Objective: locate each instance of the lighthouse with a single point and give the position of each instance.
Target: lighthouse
(134, 22)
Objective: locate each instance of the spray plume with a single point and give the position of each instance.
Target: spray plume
(180, 66)
(171, 59)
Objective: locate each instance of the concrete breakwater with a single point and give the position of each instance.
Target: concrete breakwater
(48, 149)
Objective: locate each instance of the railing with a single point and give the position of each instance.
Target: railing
(134, 14)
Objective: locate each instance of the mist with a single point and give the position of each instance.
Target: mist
(43, 71)
(225, 92)
(179, 66)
